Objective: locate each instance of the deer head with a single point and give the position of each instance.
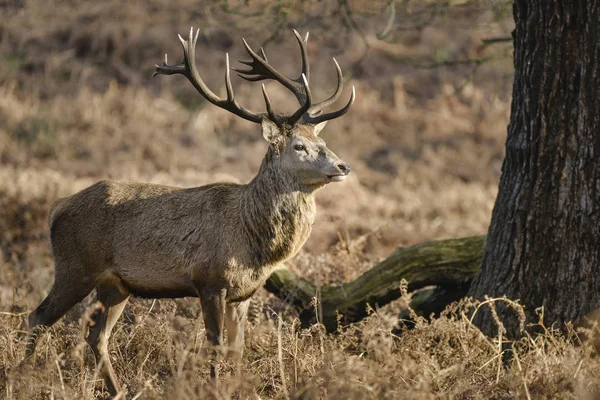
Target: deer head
(295, 146)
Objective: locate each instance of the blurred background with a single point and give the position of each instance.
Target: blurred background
(425, 136)
(425, 139)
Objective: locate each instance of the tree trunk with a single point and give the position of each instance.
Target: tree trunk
(543, 245)
(449, 264)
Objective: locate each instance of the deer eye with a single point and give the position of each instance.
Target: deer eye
(299, 147)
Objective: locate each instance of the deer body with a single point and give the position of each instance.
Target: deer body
(163, 241)
(218, 242)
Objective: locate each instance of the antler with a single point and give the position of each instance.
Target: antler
(318, 108)
(332, 115)
(188, 69)
(260, 69)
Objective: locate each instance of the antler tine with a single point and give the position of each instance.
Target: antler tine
(228, 86)
(305, 64)
(303, 110)
(188, 69)
(318, 108)
(331, 115)
(263, 54)
(272, 115)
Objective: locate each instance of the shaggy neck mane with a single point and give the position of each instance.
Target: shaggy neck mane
(273, 206)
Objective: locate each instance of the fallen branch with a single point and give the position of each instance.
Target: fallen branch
(445, 263)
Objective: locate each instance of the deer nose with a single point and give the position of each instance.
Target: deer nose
(344, 167)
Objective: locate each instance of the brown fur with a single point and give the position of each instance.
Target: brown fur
(218, 242)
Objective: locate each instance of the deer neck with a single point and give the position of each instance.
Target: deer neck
(278, 214)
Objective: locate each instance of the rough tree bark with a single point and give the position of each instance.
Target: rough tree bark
(543, 245)
(448, 264)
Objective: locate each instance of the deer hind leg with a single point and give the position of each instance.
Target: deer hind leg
(234, 321)
(113, 299)
(213, 311)
(67, 290)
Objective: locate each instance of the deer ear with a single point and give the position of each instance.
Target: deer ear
(319, 127)
(270, 130)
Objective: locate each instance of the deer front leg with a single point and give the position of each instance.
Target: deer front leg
(235, 321)
(213, 311)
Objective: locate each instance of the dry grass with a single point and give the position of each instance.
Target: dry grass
(77, 105)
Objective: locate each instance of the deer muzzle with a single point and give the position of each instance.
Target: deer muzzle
(344, 170)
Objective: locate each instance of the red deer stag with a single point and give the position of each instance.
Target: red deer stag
(218, 242)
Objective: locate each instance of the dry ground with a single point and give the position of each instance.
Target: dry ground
(426, 146)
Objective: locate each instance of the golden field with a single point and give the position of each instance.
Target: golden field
(425, 139)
